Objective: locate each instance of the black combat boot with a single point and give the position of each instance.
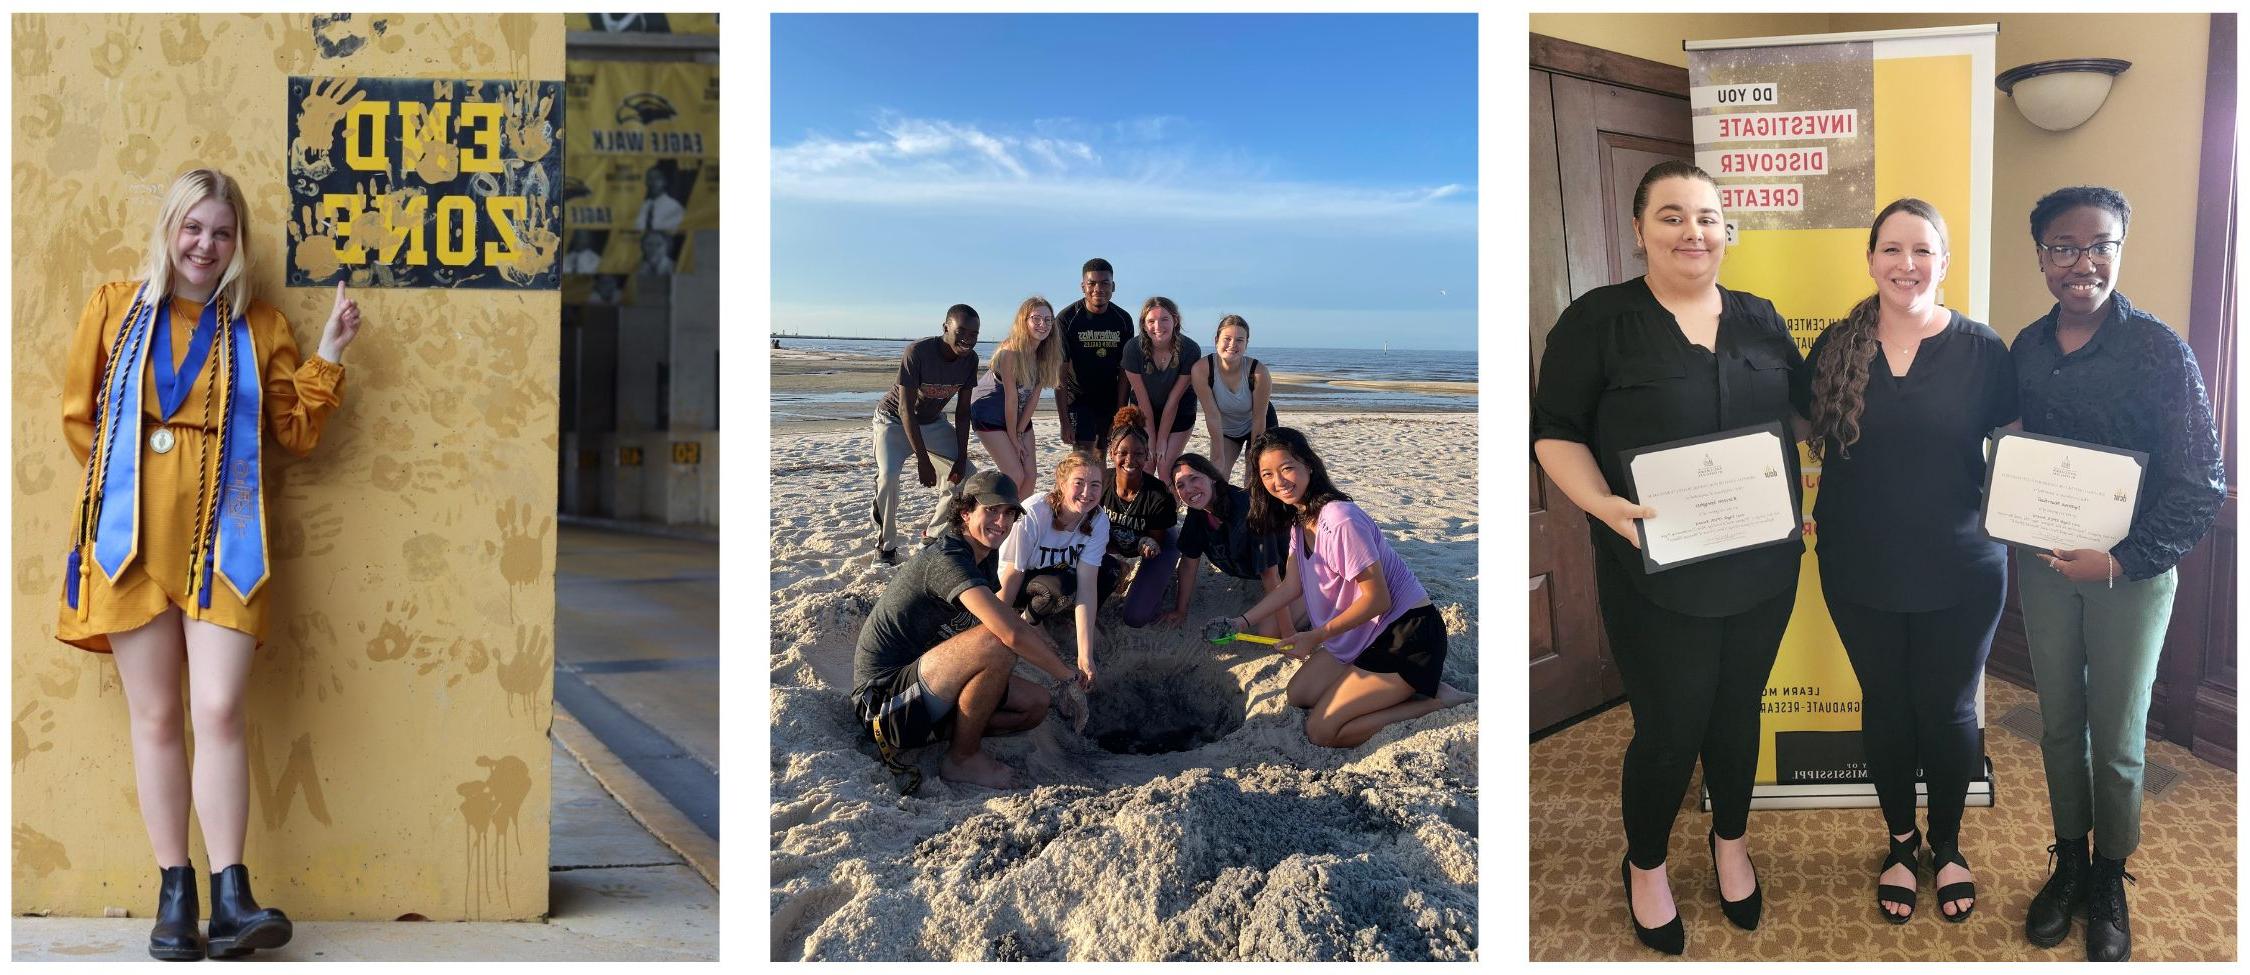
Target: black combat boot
(176, 936)
(238, 925)
(2109, 932)
(2063, 898)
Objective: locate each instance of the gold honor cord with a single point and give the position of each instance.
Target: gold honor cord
(97, 459)
(201, 547)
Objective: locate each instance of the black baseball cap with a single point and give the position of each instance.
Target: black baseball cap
(990, 487)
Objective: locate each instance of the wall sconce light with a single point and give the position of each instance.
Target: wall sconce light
(2061, 95)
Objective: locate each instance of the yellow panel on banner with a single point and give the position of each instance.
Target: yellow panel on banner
(640, 163)
(1808, 137)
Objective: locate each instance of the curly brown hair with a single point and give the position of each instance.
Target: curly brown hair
(1839, 391)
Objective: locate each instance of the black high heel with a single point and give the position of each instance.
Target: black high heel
(1745, 912)
(1963, 891)
(238, 925)
(1903, 854)
(1669, 937)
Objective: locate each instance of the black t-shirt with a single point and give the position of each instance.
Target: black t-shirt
(1093, 347)
(1619, 374)
(1229, 543)
(1150, 514)
(1897, 516)
(923, 596)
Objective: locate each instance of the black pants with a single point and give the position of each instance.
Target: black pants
(1918, 680)
(1694, 684)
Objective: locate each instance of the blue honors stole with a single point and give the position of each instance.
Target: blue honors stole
(233, 522)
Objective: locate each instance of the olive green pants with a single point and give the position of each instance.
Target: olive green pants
(2094, 649)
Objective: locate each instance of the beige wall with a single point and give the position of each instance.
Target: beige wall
(2143, 142)
(398, 712)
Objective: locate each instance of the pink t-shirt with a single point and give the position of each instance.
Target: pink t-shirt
(1345, 543)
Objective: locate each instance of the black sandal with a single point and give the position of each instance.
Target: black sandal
(1903, 854)
(1964, 891)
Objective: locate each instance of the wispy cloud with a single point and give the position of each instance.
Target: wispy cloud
(1150, 171)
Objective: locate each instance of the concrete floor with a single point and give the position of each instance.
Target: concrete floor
(616, 894)
(637, 623)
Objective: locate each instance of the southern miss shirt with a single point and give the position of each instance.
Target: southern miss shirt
(1093, 349)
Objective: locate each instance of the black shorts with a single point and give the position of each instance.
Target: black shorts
(1413, 647)
(911, 714)
(1090, 420)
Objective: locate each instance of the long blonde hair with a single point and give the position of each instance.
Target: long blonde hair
(1047, 357)
(193, 187)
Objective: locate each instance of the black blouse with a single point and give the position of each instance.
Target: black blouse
(2135, 385)
(1619, 374)
(1897, 512)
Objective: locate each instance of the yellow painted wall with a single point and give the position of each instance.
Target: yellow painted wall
(2143, 142)
(399, 707)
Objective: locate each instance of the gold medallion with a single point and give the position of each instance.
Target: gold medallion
(161, 440)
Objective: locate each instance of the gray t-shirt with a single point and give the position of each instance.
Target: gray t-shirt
(1159, 381)
(924, 364)
(922, 597)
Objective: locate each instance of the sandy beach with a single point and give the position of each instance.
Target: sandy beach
(1250, 844)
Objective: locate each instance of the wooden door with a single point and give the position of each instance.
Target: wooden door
(1598, 121)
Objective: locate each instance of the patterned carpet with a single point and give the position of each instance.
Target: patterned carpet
(1818, 866)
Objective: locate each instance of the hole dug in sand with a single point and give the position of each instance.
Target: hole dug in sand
(1162, 706)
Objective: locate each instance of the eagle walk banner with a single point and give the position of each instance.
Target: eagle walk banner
(1808, 137)
(641, 169)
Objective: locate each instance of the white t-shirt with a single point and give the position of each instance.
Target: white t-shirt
(1035, 543)
(662, 213)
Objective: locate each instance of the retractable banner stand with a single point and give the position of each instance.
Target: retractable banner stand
(1808, 137)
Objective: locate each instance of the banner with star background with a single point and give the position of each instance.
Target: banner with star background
(1808, 138)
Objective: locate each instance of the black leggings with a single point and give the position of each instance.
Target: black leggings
(1694, 684)
(1918, 681)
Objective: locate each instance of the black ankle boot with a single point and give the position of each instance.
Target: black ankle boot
(238, 925)
(2063, 898)
(176, 936)
(2109, 932)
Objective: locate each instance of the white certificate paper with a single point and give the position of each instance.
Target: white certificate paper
(1714, 495)
(2050, 493)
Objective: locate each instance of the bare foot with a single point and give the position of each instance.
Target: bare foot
(1899, 875)
(1954, 873)
(978, 769)
(1449, 695)
(1737, 876)
(1652, 898)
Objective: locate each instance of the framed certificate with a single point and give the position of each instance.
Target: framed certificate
(2045, 493)
(1716, 495)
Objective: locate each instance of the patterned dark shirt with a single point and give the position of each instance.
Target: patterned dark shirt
(2134, 385)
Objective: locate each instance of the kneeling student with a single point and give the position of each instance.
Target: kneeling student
(960, 689)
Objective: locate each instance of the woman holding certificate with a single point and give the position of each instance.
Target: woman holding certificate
(1902, 393)
(1666, 357)
(2099, 371)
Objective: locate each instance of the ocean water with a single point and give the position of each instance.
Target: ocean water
(1329, 365)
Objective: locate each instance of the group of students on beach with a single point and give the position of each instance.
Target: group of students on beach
(936, 654)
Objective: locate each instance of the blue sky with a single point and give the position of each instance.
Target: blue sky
(1315, 174)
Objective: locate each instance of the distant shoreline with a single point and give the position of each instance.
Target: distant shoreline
(823, 387)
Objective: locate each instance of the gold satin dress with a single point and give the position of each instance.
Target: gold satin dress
(297, 394)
